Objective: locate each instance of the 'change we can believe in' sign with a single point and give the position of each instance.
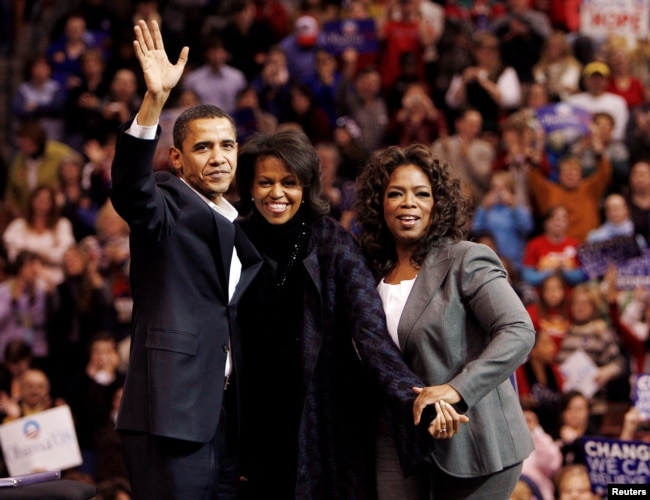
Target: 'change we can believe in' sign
(613, 461)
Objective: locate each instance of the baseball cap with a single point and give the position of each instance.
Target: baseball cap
(306, 29)
(596, 68)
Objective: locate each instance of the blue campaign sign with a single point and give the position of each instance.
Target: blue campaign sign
(634, 272)
(359, 34)
(595, 257)
(641, 395)
(563, 124)
(613, 461)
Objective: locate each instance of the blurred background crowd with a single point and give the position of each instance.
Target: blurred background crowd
(547, 128)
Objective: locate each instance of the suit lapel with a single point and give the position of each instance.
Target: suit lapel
(433, 271)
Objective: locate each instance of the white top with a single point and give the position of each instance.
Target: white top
(394, 299)
(51, 244)
(607, 102)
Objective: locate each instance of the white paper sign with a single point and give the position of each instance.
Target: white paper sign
(580, 372)
(602, 18)
(44, 441)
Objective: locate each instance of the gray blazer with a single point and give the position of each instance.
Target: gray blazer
(464, 325)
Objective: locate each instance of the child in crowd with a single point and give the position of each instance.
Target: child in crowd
(550, 313)
(573, 483)
(505, 214)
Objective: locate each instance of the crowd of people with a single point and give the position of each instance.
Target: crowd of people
(437, 91)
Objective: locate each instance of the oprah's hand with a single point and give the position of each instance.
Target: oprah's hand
(447, 421)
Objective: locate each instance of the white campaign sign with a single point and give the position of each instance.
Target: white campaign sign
(40, 442)
(601, 18)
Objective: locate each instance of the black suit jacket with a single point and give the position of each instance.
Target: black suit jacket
(181, 251)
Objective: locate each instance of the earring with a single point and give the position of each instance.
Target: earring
(252, 199)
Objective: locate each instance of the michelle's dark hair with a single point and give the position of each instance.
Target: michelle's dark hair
(295, 150)
(450, 209)
(198, 112)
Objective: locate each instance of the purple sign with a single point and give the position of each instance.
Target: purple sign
(613, 461)
(595, 257)
(634, 273)
(563, 124)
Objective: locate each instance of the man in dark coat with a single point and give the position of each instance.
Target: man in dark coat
(178, 418)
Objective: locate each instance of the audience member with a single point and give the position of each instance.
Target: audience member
(247, 39)
(546, 459)
(18, 358)
(40, 98)
(572, 482)
(145, 10)
(595, 98)
(403, 30)
(487, 84)
(330, 160)
(579, 195)
(617, 220)
(114, 488)
(43, 231)
(622, 81)
(35, 163)
(635, 426)
(591, 333)
(637, 134)
(96, 173)
(110, 248)
(630, 315)
(327, 84)
(78, 308)
(557, 68)
(23, 306)
(588, 150)
(215, 82)
(504, 211)
(523, 138)
(469, 156)
(83, 110)
(300, 47)
(75, 202)
(34, 396)
(539, 382)
(277, 13)
(522, 31)
(550, 312)
(575, 422)
(553, 251)
(250, 117)
(638, 198)
(90, 395)
(312, 119)
(65, 52)
(121, 102)
(364, 104)
(354, 155)
(416, 119)
(272, 83)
